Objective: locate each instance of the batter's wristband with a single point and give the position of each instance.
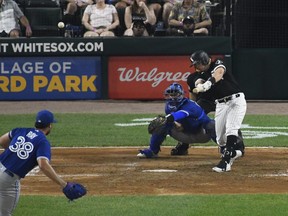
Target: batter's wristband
(212, 80)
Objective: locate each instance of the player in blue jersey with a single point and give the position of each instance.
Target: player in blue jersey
(25, 148)
(186, 122)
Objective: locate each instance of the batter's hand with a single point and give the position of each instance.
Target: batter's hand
(203, 87)
(199, 88)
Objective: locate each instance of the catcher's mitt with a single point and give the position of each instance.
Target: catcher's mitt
(157, 125)
(74, 190)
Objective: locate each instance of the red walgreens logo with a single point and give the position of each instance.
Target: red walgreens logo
(145, 77)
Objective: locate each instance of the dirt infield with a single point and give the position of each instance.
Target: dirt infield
(117, 171)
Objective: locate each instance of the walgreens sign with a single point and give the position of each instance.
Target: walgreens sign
(143, 77)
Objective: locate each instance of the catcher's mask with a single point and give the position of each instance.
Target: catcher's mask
(199, 57)
(174, 94)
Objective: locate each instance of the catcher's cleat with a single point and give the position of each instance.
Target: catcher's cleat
(180, 149)
(223, 166)
(146, 153)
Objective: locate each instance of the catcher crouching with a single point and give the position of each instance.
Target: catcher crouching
(185, 121)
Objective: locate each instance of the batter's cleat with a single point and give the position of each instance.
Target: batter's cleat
(223, 166)
(222, 150)
(180, 149)
(240, 146)
(240, 143)
(238, 154)
(146, 153)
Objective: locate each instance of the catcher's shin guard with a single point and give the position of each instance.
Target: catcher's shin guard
(180, 149)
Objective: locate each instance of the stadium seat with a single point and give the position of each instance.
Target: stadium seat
(122, 27)
(44, 20)
(42, 3)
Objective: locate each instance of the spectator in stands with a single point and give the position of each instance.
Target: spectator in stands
(193, 9)
(100, 19)
(10, 15)
(123, 4)
(167, 7)
(156, 6)
(138, 28)
(139, 10)
(72, 13)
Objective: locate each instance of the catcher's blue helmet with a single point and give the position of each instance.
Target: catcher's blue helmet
(199, 57)
(174, 93)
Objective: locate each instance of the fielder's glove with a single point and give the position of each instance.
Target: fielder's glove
(158, 124)
(74, 190)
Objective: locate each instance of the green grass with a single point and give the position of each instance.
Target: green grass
(202, 205)
(100, 130)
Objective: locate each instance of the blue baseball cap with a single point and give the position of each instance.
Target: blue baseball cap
(45, 117)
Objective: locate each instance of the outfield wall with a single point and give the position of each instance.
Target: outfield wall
(114, 68)
(125, 68)
(262, 73)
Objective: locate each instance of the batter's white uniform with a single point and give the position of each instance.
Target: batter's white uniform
(229, 115)
(230, 104)
(229, 98)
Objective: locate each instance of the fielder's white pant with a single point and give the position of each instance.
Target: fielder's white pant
(9, 192)
(229, 117)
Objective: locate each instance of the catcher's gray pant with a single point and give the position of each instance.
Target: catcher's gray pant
(229, 116)
(199, 137)
(9, 191)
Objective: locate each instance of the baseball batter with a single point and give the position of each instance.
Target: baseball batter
(25, 148)
(207, 101)
(216, 83)
(185, 121)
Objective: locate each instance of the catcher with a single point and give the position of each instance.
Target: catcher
(26, 148)
(185, 121)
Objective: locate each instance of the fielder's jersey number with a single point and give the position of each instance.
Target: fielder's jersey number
(22, 148)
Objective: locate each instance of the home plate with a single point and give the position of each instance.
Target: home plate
(159, 170)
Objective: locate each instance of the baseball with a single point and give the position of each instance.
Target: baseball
(61, 25)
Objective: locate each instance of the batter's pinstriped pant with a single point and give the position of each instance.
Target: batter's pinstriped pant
(229, 117)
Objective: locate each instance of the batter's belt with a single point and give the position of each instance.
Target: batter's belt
(228, 98)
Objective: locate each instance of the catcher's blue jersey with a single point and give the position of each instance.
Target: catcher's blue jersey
(26, 146)
(189, 114)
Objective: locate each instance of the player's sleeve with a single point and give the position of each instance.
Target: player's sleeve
(13, 132)
(44, 150)
(195, 111)
(218, 64)
(180, 114)
(191, 81)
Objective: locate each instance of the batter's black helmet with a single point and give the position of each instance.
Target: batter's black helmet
(199, 57)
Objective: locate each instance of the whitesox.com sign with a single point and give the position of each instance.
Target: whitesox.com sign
(145, 77)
